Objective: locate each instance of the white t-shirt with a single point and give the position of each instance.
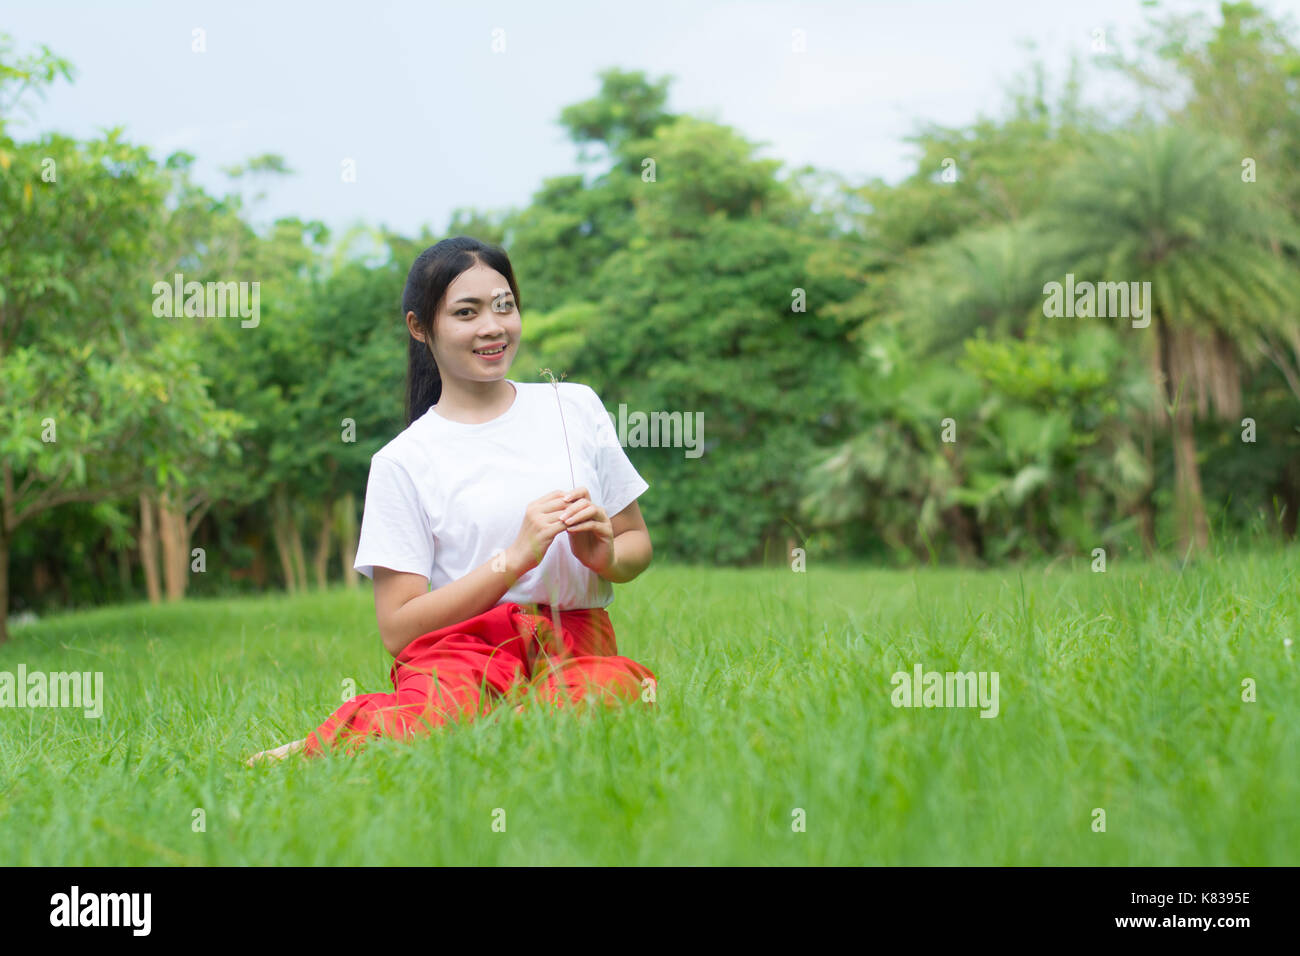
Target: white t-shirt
(444, 497)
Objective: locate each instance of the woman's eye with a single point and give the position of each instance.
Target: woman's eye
(506, 307)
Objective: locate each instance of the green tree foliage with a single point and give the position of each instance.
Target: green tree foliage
(1167, 205)
(697, 314)
(98, 396)
(873, 363)
(573, 224)
(958, 279)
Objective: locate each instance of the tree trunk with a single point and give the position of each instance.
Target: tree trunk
(175, 544)
(1146, 507)
(347, 521)
(321, 559)
(289, 543)
(149, 549)
(283, 550)
(8, 521)
(966, 534)
(1193, 527)
(1146, 515)
(299, 556)
(42, 579)
(4, 582)
(261, 576)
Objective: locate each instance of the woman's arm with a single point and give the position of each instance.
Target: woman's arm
(406, 608)
(632, 548)
(617, 548)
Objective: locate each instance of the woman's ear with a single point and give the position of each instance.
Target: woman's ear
(413, 325)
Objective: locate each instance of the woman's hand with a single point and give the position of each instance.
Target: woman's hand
(540, 526)
(591, 533)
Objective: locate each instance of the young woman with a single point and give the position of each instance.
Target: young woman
(502, 508)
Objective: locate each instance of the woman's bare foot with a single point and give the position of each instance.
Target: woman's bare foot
(279, 753)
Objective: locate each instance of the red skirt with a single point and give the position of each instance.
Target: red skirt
(508, 653)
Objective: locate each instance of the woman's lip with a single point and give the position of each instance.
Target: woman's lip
(492, 358)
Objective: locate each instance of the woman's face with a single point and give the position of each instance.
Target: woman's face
(478, 313)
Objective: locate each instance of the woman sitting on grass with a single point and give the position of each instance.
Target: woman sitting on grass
(462, 521)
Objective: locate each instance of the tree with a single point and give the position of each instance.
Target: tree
(573, 224)
(1240, 78)
(75, 307)
(1168, 205)
(718, 306)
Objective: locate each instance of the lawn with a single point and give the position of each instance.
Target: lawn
(774, 739)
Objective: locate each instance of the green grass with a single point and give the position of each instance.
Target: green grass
(1119, 691)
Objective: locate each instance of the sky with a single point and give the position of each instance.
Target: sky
(446, 105)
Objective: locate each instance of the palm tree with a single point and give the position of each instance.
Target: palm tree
(986, 281)
(985, 278)
(1168, 205)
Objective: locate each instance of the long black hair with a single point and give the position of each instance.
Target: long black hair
(426, 284)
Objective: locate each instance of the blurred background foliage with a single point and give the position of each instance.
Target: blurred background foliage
(876, 371)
